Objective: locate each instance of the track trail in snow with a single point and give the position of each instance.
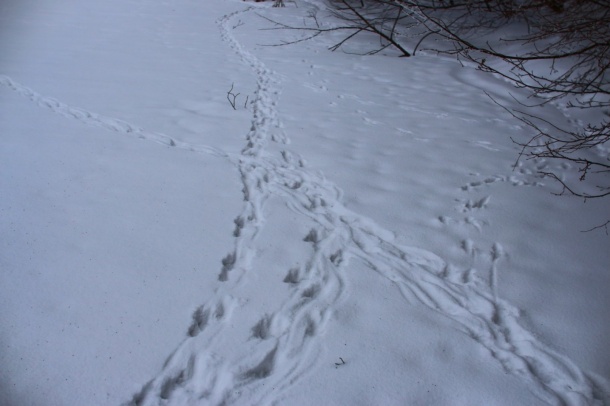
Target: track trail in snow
(108, 123)
(227, 357)
(282, 344)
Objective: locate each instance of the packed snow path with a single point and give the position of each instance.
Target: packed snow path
(236, 352)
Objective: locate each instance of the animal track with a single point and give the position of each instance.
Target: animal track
(316, 201)
(108, 123)
(200, 321)
(239, 225)
(311, 327)
(497, 252)
(262, 329)
(170, 384)
(337, 258)
(311, 292)
(312, 236)
(468, 247)
(470, 205)
(486, 181)
(220, 311)
(513, 180)
(228, 263)
(457, 276)
(469, 221)
(293, 276)
(264, 368)
(203, 315)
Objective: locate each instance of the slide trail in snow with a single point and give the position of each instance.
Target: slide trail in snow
(283, 343)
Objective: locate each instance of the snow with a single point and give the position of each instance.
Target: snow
(352, 233)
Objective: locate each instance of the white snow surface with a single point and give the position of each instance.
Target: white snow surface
(352, 233)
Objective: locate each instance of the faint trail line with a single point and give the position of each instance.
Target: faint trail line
(107, 123)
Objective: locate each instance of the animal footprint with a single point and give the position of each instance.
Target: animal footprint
(312, 237)
(170, 384)
(200, 321)
(203, 315)
(293, 276)
(262, 329)
(337, 258)
(497, 252)
(454, 275)
(475, 204)
(228, 263)
(479, 183)
(219, 313)
(468, 247)
(311, 292)
(264, 368)
(294, 185)
(239, 225)
(475, 223)
(316, 202)
(310, 327)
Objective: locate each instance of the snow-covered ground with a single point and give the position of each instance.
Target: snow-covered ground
(353, 232)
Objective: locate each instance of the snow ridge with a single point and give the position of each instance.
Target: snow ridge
(283, 344)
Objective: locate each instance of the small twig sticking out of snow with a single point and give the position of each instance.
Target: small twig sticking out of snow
(338, 364)
(232, 97)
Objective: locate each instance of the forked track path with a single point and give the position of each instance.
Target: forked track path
(228, 357)
(282, 344)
